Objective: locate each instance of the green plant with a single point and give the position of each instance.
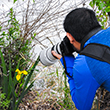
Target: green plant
(4, 103)
(15, 54)
(102, 10)
(11, 85)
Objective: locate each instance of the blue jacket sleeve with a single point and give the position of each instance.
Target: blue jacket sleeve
(82, 85)
(69, 65)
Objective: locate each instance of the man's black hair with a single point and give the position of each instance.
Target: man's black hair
(79, 22)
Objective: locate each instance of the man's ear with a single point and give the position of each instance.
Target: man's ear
(70, 37)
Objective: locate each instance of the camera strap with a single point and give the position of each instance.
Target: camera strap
(65, 66)
(97, 51)
(89, 35)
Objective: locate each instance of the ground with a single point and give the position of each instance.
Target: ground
(31, 102)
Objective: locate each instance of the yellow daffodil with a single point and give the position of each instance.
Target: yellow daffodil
(24, 72)
(18, 76)
(18, 71)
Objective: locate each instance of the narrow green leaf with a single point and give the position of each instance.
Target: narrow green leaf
(29, 76)
(51, 73)
(5, 77)
(10, 79)
(57, 72)
(91, 4)
(1, 38)
(35, 34)
(23, 94)
(0, 28)
(15, 1)
(34, 1)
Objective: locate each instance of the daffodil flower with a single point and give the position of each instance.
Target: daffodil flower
(18, 76)
(24, 72)
(19, 73)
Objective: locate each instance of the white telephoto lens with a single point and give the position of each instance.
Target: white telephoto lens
(47, 58)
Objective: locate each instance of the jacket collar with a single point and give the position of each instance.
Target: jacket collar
(89, 35)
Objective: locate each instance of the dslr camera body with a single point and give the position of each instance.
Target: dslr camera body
(64, 48)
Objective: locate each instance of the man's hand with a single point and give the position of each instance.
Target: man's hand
(56, 55)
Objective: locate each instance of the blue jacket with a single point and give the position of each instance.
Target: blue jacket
(88, 73)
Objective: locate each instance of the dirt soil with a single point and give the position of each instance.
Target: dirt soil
(32, 102)
(105, 103)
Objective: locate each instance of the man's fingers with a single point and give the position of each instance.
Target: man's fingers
(56, 55)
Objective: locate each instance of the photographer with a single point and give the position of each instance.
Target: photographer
(91, 68)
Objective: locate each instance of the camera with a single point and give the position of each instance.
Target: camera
(64, 48)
